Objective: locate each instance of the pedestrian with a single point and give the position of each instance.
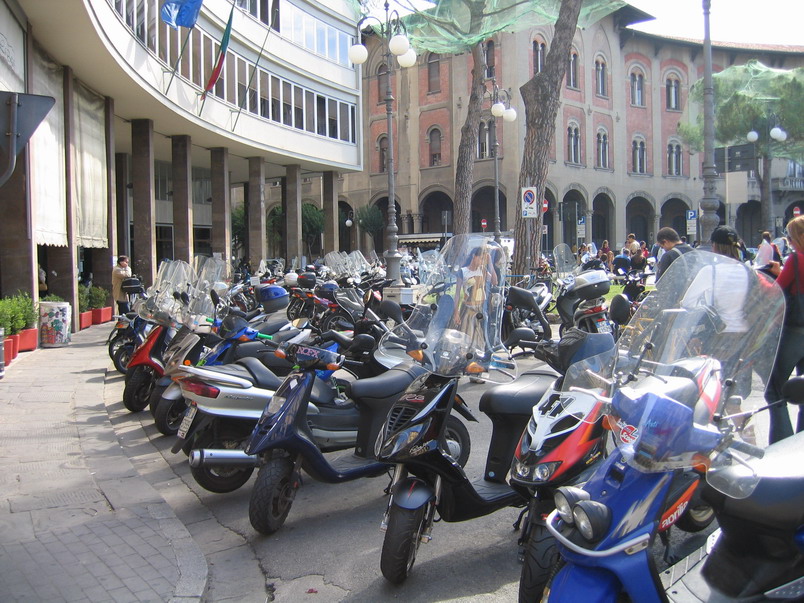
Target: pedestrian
(638, 261)
(621, 264)
(667, 238)
(631, 244)
(765, 252)
(471, 292)
(121, 272)
(791, 345)
(42, 280)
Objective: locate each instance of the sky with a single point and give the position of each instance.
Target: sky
(752, 21)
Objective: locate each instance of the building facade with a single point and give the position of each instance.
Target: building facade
(135, 158)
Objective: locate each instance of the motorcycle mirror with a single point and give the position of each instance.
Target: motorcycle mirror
(391, 309)
(362, 343)
(185, 298)
(177, 296)
(301, 323)
(793, 390)
(216, 299)
(519, 334)
(620, 309)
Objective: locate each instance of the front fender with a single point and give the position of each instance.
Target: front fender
(412, 493)
(581, 583)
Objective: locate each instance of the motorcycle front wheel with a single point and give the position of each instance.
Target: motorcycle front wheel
(540, 556)
(138, 388)
(402, 539)
(273, 495)
(122, 357)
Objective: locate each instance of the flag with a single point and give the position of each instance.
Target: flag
(182, 13)
(216, 72)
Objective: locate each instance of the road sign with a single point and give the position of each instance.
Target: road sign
(545, 206)
(738, 158)
(692, 222)
(529, 207)
(483, 223)
(796, 211)
(581, 227)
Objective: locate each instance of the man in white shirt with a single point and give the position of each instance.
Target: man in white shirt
(765, 251)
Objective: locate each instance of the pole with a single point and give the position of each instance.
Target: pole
(709, 202)
(392, 255)
(497, 233)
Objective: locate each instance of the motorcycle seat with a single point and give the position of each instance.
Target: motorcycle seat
(272, 324)
(778, 498)
(252, 370)
(520, 396)
(393, 381)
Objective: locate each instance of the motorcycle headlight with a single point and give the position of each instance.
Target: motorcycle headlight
(544, 471)
(592, 519)
(566, 498)
(271, 408)
(402, 440)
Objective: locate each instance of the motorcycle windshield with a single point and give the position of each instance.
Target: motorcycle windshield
(201, 306)
(697, 353)
(454, 329)
(174, 276)
(564, 260)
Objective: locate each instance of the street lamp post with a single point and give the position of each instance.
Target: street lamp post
(778, 135)
(500, 107)
(709, 202)
(392, 31)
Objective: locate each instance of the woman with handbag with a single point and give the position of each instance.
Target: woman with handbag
(791, 344)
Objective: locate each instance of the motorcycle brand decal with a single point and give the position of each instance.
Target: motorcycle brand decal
(673, 517)
(593, 458)
(418, 398)
(419, 449)
(635, 516)
(628, 433)
(307, 351)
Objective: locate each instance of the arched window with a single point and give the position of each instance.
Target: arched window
(383, 154)
(602, 150)
(490, 59)
(539, 53)
(382, 82)
(434, 72)
(482, 141)
(637, 89)
(573, 144)
(674, 165)
(639, 157)
(672, 90)
(601, 85)
(572, 71)
(435, 146)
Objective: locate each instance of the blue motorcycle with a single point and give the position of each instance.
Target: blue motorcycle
(682, 389)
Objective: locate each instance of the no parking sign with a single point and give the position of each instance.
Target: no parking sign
(530, 209)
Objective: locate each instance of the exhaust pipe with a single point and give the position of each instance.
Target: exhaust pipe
(217, 457)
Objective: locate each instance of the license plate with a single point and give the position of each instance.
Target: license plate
(189, 415)
(603, 326)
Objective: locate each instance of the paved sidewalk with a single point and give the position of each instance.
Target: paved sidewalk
(77, 522)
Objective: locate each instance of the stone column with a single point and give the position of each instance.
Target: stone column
(182, 197)
(221, 203)
(17, 247)
(144, 206)
(588, 224)
(123, 177)
(104, 259)
(64, 260)
(331, 225)
(255, 214)
(293, 222)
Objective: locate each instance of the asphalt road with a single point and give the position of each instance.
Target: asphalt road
(329, 548)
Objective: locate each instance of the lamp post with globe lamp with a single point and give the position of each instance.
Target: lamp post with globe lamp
(392, 32)
(500, 107)
(774, 134)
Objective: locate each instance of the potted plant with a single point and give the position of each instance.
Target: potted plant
(5, 324)
(98, 301)
(29, 314)
(84, 311)
(12, 323)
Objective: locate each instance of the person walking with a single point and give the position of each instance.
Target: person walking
(667, 238)
(120, 272)
(791, 345)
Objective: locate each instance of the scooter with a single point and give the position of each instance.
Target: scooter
(579, 301)
(672, 406)
(525, 308)
(448, 345)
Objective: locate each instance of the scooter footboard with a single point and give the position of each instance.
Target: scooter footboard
(412, 493)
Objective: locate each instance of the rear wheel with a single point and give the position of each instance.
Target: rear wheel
(541, 555)
(337, 321)
(117, 341)
(220, 479)
(138, 388)
(273, 495)
(402, 539)
(168, 415)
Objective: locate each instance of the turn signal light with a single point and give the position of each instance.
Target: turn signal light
(417, 355)
(474, 368)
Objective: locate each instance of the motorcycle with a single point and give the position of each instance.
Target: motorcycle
(449, 344)
(579, 301)
(526, 308)
(679, 395)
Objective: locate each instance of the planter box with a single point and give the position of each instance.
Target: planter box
(101, 315)
(14, 342)
(28, 339)
(84, 319)
(7, 350)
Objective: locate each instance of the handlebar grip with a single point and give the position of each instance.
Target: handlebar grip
(210, 320)
(747, 448)
(266, 337)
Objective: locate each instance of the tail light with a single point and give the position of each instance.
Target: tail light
(199, 388)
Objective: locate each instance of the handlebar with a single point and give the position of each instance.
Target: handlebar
(747, 448)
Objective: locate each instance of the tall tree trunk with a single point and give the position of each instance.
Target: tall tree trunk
(465, 163)
(541, 107)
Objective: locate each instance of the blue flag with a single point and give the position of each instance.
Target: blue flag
(182, 13)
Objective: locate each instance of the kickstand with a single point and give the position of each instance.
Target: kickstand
(669, 557)
(518, 522)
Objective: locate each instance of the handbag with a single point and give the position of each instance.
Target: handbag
(794, 299)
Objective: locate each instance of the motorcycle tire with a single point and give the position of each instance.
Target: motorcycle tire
(156, 396)
(458, 443)
(169, 415)
(220, 480)
(115, 343)
(337, 321)
(541, 555)
(273, 495)
(122, 357)
(294, 309)
(138, 388)
(401, 542)
(697, 516)
(546, 333)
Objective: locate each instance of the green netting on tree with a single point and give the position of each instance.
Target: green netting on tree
(754, 97)
(453, 26)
